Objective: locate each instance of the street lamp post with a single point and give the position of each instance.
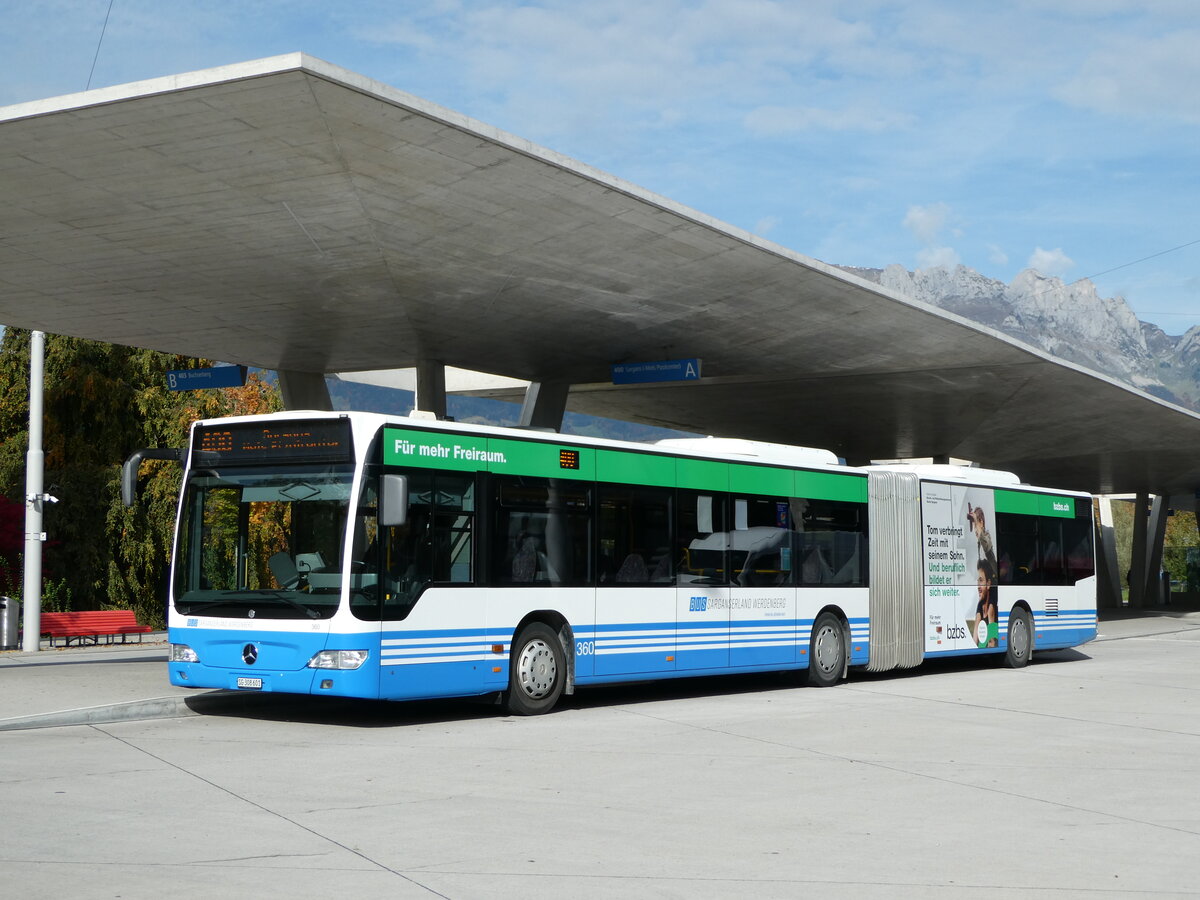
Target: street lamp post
(34, 498)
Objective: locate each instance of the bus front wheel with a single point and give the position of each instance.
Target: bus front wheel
(536, 672)
(1020, 638)
(826, 651)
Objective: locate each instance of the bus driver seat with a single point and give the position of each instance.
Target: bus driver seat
(284, 570)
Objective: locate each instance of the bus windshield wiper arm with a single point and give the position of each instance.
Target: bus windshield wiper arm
(255, 595)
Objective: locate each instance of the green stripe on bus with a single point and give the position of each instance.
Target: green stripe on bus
(831, 486)
(635, 468)
(701, 474)
(430, 450)
(471, 453)
(1062, 507)
(761, 480)
(1030, 504)
(541, 459)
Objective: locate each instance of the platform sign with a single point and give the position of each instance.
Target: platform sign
(200, 379)
(663, 370)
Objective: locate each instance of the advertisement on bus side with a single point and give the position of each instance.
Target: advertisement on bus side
(958, 524)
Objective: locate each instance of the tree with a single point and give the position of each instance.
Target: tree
(103, 401)
(1180, 537)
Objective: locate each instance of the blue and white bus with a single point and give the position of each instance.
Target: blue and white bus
(361, 555)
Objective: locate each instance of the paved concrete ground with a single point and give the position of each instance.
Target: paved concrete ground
(1075, 777)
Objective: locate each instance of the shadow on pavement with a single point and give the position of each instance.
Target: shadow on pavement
(351, 713)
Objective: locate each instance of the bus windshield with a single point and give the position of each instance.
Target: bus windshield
(263, 544)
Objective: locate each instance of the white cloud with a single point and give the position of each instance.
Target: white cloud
(1142, 77)
(927, 222)
(996, 255)
(933, 257)
(778, 120)
(766, 225)
(859, 183)
(1050, 262)
(777, 67)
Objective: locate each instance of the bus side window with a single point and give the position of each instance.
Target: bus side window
(1078, 540)
(434, 545)
(633, 535)
(453, 529)
(542, 532)
(760, 542)
(830, 545)
(1017, 545)
(701, 541)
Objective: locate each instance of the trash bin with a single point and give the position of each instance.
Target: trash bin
(10, 620)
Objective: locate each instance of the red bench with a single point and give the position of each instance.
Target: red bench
(92, 624)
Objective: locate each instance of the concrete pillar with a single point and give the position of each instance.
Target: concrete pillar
(304, 390)
(1149, 531)
(1156, 533)
(431, 387)
(1137, 560)
(1108, 574)
(545, 404)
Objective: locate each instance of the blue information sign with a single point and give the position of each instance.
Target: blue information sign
(663, 370)
(199, 379)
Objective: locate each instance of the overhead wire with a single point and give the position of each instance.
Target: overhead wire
(1125, 266)
(103, 28)
(1136, 261)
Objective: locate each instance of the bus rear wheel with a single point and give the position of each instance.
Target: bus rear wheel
(1020, 638)
(536, 671)
(826, 651)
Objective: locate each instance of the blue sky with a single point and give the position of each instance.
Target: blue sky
(1058, 134)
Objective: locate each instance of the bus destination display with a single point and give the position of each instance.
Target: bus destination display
(315, 441)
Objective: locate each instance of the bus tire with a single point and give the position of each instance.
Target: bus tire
(826, 651)
(1019, 649)
(536, 672)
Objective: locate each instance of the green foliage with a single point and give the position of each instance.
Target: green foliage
(11, 583)
(1180, 537)
(102, 402)
(56, 595)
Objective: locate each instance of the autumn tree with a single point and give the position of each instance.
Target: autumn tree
(101, 402)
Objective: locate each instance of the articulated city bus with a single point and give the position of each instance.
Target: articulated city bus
(360, 555)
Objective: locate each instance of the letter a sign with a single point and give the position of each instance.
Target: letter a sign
(663, 370)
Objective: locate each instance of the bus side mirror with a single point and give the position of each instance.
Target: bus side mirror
(393, 500)
(129, 471)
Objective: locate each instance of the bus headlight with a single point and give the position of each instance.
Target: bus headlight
(182, 653)
(338, 659)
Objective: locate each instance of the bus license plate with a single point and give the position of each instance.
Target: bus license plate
(253, 684)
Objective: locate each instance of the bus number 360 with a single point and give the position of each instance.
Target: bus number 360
(585, 648)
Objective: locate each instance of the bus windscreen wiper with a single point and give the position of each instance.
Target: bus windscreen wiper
(281, 596)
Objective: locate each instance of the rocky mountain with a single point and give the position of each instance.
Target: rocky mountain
(1070, 321)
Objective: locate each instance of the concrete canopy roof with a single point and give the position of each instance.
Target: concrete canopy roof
(289, 214)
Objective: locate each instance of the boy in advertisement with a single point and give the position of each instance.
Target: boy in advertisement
(984, 627)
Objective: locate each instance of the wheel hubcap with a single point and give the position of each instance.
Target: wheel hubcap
(536, 669)
(1020, 639)
(826, 649)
